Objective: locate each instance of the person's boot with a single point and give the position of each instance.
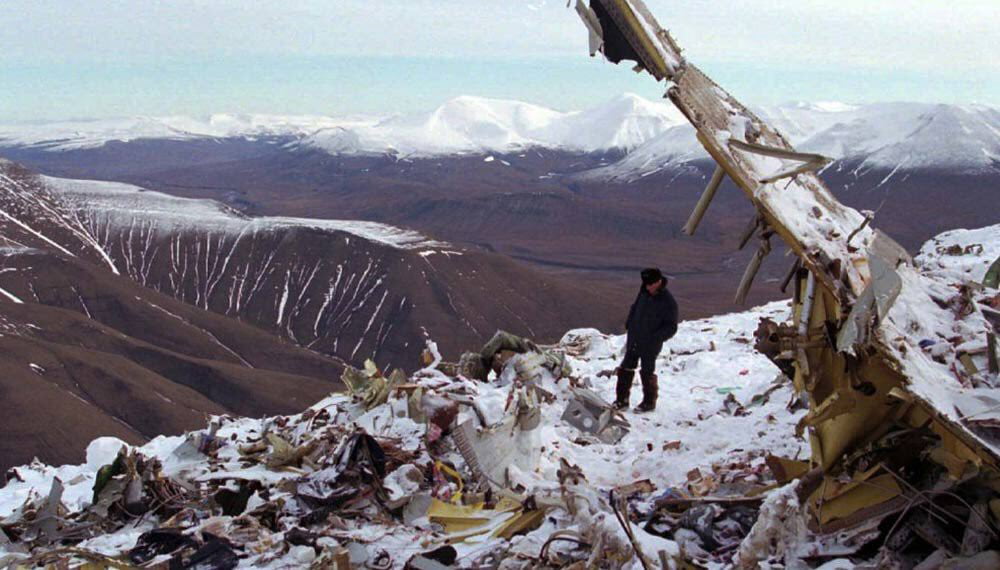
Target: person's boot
(649, 392)
(623, 388)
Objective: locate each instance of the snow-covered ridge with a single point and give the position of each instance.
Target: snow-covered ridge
(961, 255)
(87, 134)
(474, 124)
(125, 204)
(881, 135)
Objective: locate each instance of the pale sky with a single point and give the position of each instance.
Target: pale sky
(98, 58)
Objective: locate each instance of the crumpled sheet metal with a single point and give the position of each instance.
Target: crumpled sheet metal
(463, 522)
(872, 305)
(532, 361)
(370, 386)
(589, 413)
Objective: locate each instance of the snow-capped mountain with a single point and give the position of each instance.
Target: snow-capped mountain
(652, 133)
(474, 124)
(881, 136)
(79, 135)
(907, 135)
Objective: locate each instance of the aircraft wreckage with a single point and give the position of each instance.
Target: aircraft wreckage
(480, 463)
(900, 371)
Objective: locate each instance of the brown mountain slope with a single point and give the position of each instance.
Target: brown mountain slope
(85, 352)
(354, 290)
(537, 210)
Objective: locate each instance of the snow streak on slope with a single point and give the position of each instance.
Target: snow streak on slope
(124, 204)
(315, 282)
(30, 216)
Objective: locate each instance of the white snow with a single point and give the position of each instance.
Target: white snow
(656, 136)
(961, 254)
(932, 322)
(126, 204)
(708, 360)
(479, 125)
(77, 135)
(10, 296)
(882, 135)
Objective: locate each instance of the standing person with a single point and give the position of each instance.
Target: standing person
(652, 320)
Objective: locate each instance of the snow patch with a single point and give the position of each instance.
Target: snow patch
(124, 204)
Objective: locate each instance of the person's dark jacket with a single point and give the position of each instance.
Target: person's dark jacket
(652, 320)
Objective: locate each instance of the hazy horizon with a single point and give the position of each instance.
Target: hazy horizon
(113, 58)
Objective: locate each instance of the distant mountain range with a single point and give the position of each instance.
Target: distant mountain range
(582, 199)
(650, 136)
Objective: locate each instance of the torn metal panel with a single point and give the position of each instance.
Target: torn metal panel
(370, 386)
(886, 284)
(506, 519)
(888, 249)
(589, 413)
(873, 305)
(47, 519)
(631, 33)
(837, 501)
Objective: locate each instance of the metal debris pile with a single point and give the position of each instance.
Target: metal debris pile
(430, 470)
(510, 458)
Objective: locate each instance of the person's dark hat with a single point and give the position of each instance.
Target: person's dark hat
(651, 275)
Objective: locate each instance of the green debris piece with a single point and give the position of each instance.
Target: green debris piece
(992, 279)
(370, 385)
(106, 473)
(726, 390)
(284, 453)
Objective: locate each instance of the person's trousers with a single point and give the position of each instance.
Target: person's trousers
(626, 372)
